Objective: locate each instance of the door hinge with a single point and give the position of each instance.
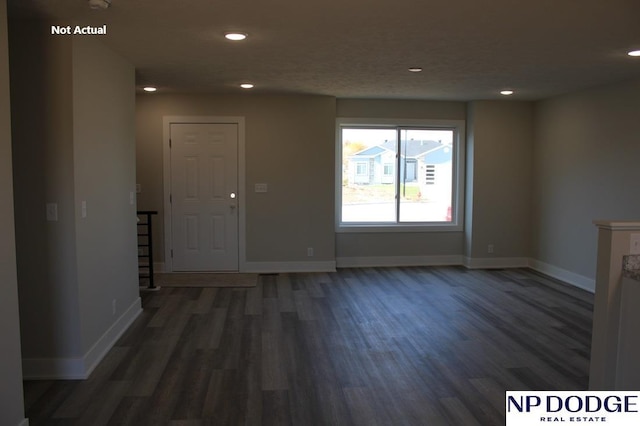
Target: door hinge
(169, 143)
(170, 198)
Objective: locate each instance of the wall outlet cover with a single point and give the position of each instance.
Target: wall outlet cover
(52, 212)
(634, 247)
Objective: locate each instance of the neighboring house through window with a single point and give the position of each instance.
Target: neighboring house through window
(399, 174)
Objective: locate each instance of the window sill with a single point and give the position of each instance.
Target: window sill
(374, 228)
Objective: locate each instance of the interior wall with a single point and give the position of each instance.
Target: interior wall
(500, 150)
(72, 111)
(297, 220)
(11, 392)
(391, 245)
(289, 146)
(42, 140)
(104, 178)
(585, 168)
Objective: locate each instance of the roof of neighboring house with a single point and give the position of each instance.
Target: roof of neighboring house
(372, 151)
(412, 148)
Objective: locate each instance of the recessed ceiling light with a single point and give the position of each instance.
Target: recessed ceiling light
(235, 36)
(415, 69)
(149, 89)
(506, 92)
(634, 53)
(99, 4)
(246, 86)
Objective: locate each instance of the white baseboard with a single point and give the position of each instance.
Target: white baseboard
(282, 267)
(390, 261)
(81, 368)
(577, 280)
(495, 262)
(569, 277)
(99, 350)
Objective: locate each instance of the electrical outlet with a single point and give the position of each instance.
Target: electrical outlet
(261, 187)
(634, 244)
(310, 251)
(490, 248)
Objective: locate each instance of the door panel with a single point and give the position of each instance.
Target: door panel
(204, 216)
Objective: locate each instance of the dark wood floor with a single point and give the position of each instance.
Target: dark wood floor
(394, 346)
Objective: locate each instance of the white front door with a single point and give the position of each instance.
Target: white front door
(204, 196)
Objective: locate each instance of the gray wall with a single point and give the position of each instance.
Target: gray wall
(104, 177)
(298, 212)
(538, 174)
(500, 145)
(72, 110)
(42, 127)
(11, 399)
(585, 168)
(289, 146)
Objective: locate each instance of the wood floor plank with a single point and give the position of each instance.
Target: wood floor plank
(285, 293)
(81, 397)
(191, 397)
(211, 329)
(129, 412)
(205, 301)
(389, 346)
(253, 304)
(275, 408)
(362, 405)
(274, 376)
(457, 413)
(100, 411)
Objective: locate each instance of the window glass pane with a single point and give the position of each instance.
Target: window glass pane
(369, 175)
(426, 158)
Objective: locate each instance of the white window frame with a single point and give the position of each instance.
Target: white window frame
(458, 178)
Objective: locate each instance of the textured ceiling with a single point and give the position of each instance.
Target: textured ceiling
(469, 49)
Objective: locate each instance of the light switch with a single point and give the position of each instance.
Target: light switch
(52, 212)
(84, 209)
(132, 197)
(635, 244)
(261, 187)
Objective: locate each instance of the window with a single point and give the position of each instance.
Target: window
(399, 175)
(361, 169)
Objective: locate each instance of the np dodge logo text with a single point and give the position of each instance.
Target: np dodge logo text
(573, 403)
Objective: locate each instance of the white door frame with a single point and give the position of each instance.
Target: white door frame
(166, 168)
